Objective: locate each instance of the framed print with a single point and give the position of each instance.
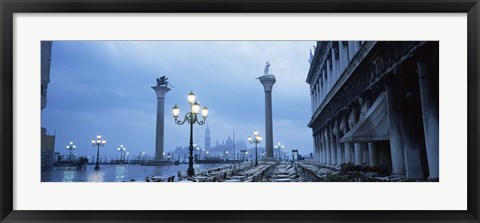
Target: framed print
(239, 111)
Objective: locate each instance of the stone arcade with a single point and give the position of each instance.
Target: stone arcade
(376, 103)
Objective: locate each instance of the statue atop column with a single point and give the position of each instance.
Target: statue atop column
(162, 81)
(267, 70)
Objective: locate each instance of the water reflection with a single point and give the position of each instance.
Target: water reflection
(119, 173)
(68, 175)
(96, 176)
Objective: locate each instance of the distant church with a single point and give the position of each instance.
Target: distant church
(207, 138)
(226, 145)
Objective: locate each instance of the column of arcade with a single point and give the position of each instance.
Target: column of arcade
(330, 151)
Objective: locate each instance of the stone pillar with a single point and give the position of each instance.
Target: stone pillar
(358, 153)
(335, 63)
(333, 149)
(312, 101)
(325, 81)
(351, 50)
(159, 140)
(352, 120)
(348, 152)
(343, 55)
(267, 82)
(329, 73)
(365, 105)
(429, 95)
(320, 155)
(373, 154)
(343, 130)
(327, 145)
(319, 91)
(337, 134)
(319, 151)
(396, 144)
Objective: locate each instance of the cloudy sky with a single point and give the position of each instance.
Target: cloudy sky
(105, 87)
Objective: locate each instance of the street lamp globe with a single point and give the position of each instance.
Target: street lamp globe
(176, 111)
(204, 112)
(191, 97)
(196, 108)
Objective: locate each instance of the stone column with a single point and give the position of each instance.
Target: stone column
(327, 145)
(335, 63)
(319, 141)
(320, 155)
(267, 82)
(352, 120)
(351, 50)
(161, 92)
(312, 101)
(346, 146)
(373, 154)
(358, 153)
(348, 153)
(429, 95)
(337, 134)
(333, 149)
(343, 55)
(396, 144)
(329, 73)
(319, 92)
(324, 85)
(317, 148)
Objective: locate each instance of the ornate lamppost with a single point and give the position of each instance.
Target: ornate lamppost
(279, 146)
(191, 118)
(70, 147)
(257, 139)
(121, 149)
(98, 142)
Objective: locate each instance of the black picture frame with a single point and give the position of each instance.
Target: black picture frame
(9, 7)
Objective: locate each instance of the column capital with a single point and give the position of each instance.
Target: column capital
(161, 90)
(267, 82)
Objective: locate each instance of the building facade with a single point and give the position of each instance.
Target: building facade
(47, 141)
(375, 103)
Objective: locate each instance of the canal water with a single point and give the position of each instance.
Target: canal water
(119, 173)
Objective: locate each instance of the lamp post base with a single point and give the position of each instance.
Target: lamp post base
(97, 167)
(191, 172)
